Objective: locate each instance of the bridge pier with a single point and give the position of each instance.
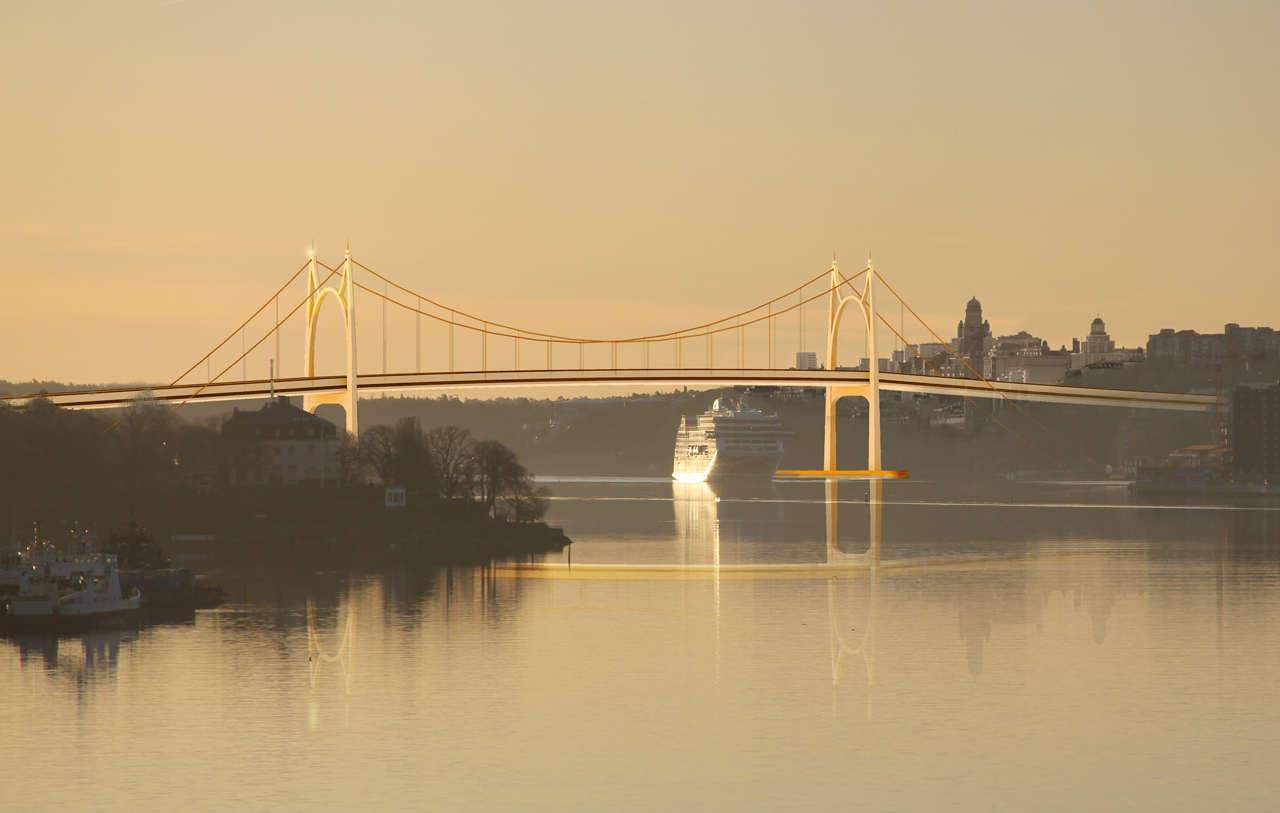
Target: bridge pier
(345, 294)
(866, 302)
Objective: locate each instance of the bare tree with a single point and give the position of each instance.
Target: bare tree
(524, 501)
(450, 449)
(378, 449)
(496, 469)
(412, 465)
(349, 461)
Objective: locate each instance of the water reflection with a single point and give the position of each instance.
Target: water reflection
(738, 533)
(732, 643)
(76, 660)
(753, 516)
(318, 656)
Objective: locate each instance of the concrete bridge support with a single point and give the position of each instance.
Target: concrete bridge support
(345, 294)
(866, 302)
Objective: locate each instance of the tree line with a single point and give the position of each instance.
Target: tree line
(449, 464)
(68, 464)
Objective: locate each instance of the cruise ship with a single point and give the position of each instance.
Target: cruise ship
(729, 440)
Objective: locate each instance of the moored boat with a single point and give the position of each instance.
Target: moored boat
(65, 592)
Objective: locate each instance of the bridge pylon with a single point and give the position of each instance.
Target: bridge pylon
(345, 294)
(866, 302)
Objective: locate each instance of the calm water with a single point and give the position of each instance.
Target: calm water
(1013, 646)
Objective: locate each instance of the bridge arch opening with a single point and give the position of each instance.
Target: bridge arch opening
(344, 295)
(870, 391)
(325, 347)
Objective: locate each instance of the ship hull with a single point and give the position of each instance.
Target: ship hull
(730, 466)
(58, 623)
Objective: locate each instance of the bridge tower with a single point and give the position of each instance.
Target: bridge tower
(345, 294)
(871, 390)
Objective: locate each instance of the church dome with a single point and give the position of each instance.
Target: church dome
(974, 305)
(1098, 326)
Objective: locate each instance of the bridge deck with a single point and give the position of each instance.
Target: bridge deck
(379, 383)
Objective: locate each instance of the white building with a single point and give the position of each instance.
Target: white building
(1098, 348)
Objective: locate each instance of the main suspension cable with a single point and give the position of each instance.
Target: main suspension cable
(527, 335)
(698, 330)
(255, 346)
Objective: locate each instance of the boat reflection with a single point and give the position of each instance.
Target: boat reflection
(77, 659)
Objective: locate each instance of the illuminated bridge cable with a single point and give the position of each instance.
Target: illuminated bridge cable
(255, 346)
(1029, 444)
(997, 421)
(684, 333)
(979, 375)
(233, 333)
(486, 327)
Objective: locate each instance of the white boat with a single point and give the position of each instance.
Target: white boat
(65, 591)
(729, 440)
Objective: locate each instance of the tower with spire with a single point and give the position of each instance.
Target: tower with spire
(971, 335)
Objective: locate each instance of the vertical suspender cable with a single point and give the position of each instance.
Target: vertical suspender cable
(276, 361)
(451, 314)
(384, 327)
(418, 336)
(802, 324)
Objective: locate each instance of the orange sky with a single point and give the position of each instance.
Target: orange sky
(628, 168)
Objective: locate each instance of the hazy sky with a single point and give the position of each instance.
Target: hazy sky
(604, 168)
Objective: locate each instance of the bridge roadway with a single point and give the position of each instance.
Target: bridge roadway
(387, 382)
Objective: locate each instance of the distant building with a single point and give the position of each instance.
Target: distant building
(1235, 342)
(1098, 349)
(806, 360)
(918, 358)
(1049, 367)
(1024, 359)
(1021, 343)
(885, 365)
(973, 339)
(1255, 434)
(282, 445)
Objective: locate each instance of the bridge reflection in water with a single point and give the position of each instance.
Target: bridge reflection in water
(727, 534)
(701, 511)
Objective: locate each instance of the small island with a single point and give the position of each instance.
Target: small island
(274, 486)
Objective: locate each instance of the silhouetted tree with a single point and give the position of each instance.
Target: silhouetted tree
(350, 462)
(450, 450)
(496, 471)
(524, 501)
(412, 466)
(378, 449)
(400, 456)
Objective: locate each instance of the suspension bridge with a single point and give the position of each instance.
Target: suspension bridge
(466, 351)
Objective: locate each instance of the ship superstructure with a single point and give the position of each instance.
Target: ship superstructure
(728, 440)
